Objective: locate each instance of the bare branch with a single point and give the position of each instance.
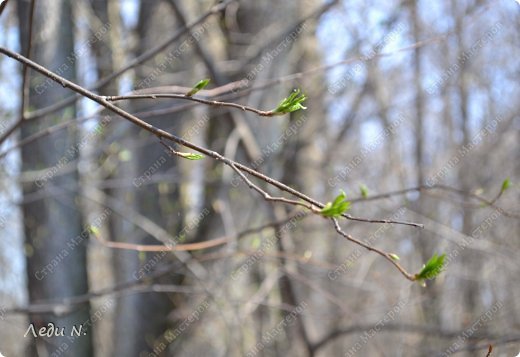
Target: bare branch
(196, 246)
(263, 113)
(25, 82)
(132, 64)
(385, 255)
(486, 202)
(161, 134)
(3, 3)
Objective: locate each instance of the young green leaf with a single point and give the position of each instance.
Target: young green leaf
(394, 256)
(125, 155)
(190, 156)
(94, 230)
(200, 85)
(256, 243)
(364, 191)
(184, 155)
(336, 208)
(142, 256)
(291, 104)
(432, 268)
(505, 185)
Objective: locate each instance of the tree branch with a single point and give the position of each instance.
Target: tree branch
(384, 254)
(3, 3)
(134, 63)
(263, 113)
(239, 168)
(410, 328)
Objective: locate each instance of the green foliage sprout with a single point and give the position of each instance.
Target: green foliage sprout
(199, 86)
(505, 185)
(364, 191)
(432, 268)
(190, 156)
(336, 208)
(394, 256)
(291, 104)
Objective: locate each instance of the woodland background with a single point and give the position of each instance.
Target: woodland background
(412, 110)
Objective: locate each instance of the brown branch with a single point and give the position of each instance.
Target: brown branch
(390, 221)
(232, 90)
(249, 141)
(384, 254)
(267, 196)
(490, 349)
(161, 134)
(486, 202)
(132, 64)
(263, 113)
(232, 87)
(3, 3)
(312, 208)
(195, 246)
(25, 82)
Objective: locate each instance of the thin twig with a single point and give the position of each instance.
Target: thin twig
(266, 195)
(132, 64)
(195, 246)
(390, 221)
(25, 82)
(490, 349)
(486, 202)
(161, 134)
(252, 149)
(232, 89)
(2, 5)
(385, 255)
(235, 89)
(263, 113)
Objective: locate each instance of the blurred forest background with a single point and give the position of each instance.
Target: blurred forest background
(411, 111)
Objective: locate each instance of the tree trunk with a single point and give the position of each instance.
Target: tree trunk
(142, 319)
(55, 240)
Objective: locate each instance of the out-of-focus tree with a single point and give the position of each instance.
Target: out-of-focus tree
(409, 117)
(53, 228)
